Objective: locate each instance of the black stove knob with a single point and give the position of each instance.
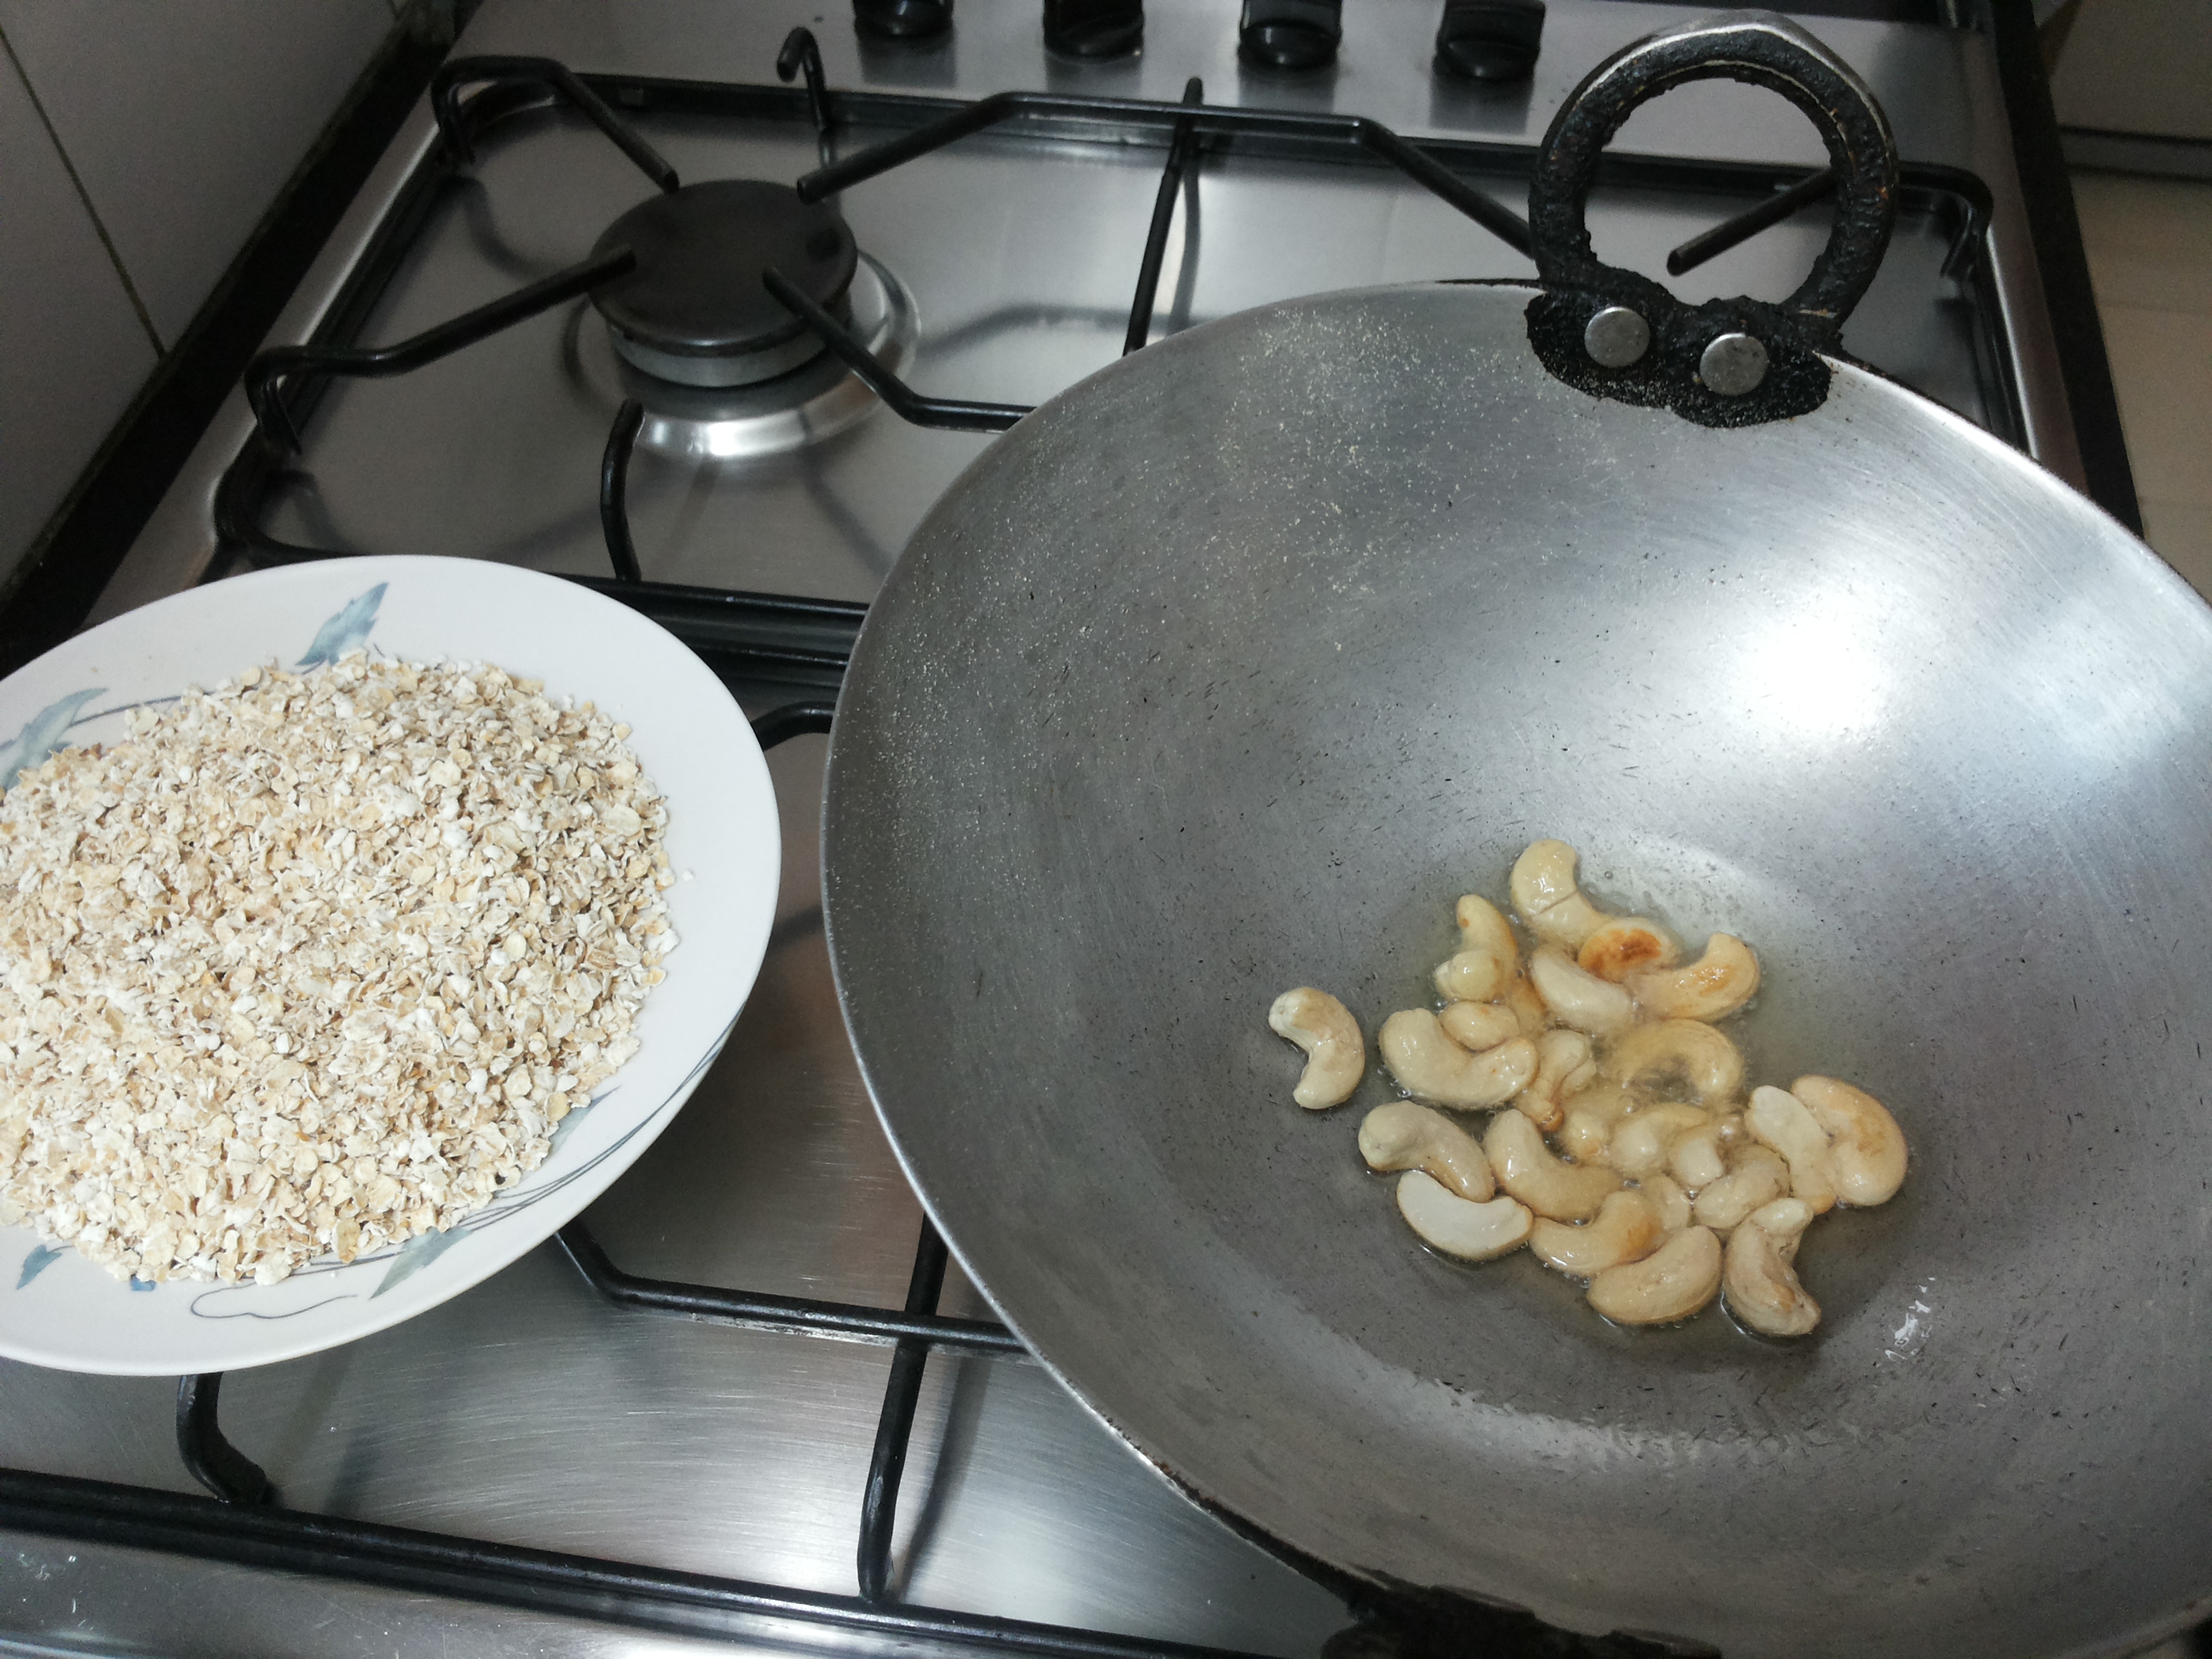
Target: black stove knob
(902, 20)
(1289, 34)
(1094, 28)
(1489, 40)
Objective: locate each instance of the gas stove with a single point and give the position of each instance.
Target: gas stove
(578, 319)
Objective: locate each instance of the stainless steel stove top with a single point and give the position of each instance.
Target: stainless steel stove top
(531, 1411)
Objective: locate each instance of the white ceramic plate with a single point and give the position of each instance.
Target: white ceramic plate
(56, 1308)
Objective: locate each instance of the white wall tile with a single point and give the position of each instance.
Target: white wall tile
(2182, 533)
(72, 350)
(2137, 66)
(2162, 371)
(2150, 241)
(185, 117)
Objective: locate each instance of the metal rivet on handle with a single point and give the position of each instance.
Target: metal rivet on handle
(1616, 337)
(1733, 365)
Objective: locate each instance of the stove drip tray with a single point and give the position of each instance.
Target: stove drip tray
(694, 311)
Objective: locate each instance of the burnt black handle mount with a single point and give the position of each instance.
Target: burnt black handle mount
(1727, 362)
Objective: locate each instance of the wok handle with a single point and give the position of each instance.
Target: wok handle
(1679, 365)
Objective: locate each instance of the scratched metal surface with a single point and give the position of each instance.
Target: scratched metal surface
(1229, 671)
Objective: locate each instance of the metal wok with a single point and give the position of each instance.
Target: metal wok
(1230, 669)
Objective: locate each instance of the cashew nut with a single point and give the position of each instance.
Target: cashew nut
(1627, 1229)
(1563, 1066)
(1590, 1116)
(1761, 1285)
(1544, 892)
(1476, 1026)
(1778, 1119)
(1483, 927)
(1431, 1066)
(1527, 1007)
(1866, 1157)
(1673, 1204)
(1472, 976)
(1756, 1176)
(1488, 957)
(1405, 1136)
(1580, 1000)
(1685, 1056)
(1336, 1054)
(1641, 1141)
(1672, 1283)
(1659, 1187)
(1625, 943)
(1473, 1232)
(1700, 1158)
(1713, 986)
(1525, 1168)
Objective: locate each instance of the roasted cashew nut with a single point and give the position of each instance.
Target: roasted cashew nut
(1472, 976)
(1404, 1136)
(1580, 1000)
(1713, 986)
(1476, 1026)
(1525, 1168)
(1627, 1229)
(1563, 1066)
(1527, 1007)
(1778, 1119)
(1642, 1140)
(1676, 1056)
(1336, 1054)
(1488, 957)
(1625, 943)
(1673, 1203)
(1669, 1190)
(1483, 927)
(1756, 1175)
(1700, 1158)
(1759, 1281)
(1866, 1151)
(1590, 1118)
(1672, 1283)
(1447, 1222)
(1431, 1066)
(1544, 892)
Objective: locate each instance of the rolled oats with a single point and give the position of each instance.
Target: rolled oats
(315, 961)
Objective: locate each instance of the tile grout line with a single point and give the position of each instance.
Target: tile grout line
(100, 228)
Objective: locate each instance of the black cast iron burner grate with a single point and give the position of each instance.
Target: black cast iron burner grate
(283, 384)
(280, 382)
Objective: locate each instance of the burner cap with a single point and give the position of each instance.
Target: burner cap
(693, 309)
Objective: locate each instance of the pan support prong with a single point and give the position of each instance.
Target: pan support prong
(211, 1459)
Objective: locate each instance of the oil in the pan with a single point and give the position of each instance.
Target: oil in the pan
(1630, 1143)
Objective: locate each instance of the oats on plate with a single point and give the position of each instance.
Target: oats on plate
(314, 963)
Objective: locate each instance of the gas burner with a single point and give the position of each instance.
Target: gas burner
(693, 311)
(800, 407)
